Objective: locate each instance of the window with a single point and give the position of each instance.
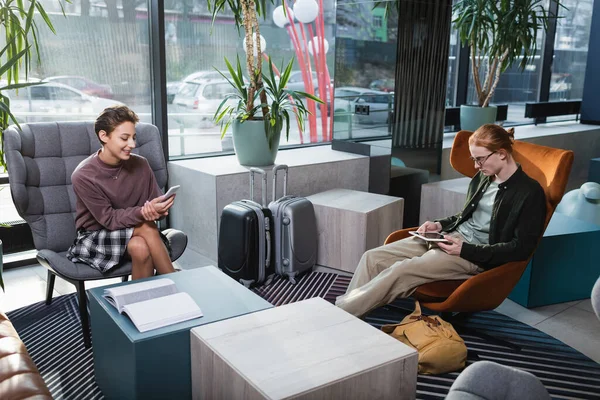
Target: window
(194, 47)
(570, 50)
(39, 93)
(366, 48)
(377, 21)
(66, 94)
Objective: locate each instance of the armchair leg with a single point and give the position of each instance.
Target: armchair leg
(83, 313)
(124, 278)
(50, 286)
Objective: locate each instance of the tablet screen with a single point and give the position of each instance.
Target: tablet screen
(432, 235)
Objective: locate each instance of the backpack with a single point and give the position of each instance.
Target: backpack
(440, 348)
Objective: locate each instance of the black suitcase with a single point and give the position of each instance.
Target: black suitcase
(245, 238)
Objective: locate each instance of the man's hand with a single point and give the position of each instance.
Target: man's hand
(452, 248)
(429, 226)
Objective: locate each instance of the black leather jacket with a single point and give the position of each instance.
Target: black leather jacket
(518, 217)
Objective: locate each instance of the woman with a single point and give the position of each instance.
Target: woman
(502, 221)
(118, 201)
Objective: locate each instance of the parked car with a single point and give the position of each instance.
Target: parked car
(85, 85)
(197, 101)
(208, 75)
(54, 101)
(347, 97)
(296, 82)
(172, 89)
(383, 85)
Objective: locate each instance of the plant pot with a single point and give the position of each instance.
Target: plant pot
(472, 117)
(250, 143)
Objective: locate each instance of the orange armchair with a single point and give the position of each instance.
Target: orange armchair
(485, 291)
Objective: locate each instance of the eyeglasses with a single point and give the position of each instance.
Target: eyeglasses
(480, 160)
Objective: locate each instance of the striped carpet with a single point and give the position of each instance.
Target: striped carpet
(52, 335)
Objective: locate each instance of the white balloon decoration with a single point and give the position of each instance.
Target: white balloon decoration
(280, 19)
(306, 11)
(263, 45)
(315, 41)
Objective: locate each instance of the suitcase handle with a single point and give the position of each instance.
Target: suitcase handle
(285, 177)
(263, 186)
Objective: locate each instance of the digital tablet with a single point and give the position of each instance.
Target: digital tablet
(430, 236)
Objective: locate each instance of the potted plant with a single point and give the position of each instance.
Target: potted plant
(499, 34)
(261, 106)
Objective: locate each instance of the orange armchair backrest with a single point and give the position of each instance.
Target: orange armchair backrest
(547, 165)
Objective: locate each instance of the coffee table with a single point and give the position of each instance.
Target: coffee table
(310, 349)
(156, 364)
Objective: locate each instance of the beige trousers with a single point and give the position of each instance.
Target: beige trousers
(396, 270)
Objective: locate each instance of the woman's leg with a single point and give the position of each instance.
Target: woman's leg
(158, 252)
(140, 258)
(374, 261)
(403, 277)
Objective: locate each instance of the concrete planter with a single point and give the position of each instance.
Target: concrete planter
(250, 143)
(472, 117)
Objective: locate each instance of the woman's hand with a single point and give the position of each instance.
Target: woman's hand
(162, 205)
(429, 226)
(149, 213)
(157, 208)
(452, 248)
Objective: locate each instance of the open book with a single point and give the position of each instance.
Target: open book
(153, 304)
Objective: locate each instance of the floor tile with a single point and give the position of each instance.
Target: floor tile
(586, 305)
(191, 259)
(532, 316)
(23, 292)
(577, 328)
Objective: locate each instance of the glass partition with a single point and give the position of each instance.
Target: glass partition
(366, 40)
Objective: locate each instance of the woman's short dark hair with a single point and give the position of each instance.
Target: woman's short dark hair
(112, 117)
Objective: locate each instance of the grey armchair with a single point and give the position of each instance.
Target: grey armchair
(486, 380)
(41, 158)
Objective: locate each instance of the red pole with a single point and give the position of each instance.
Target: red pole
(301, 61)
(328, 89)
(308, 86)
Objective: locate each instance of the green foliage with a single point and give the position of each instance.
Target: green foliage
(21, 33)
(282, 102)
(499, 34)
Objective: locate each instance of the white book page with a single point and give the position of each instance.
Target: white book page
(122, 295)
(162, 311)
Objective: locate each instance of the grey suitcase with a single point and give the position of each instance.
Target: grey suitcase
(294, 232)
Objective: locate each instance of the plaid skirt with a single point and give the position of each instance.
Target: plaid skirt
(103, 249)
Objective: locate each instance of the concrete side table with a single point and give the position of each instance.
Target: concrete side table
(350, 222)
(305, 350)
(442, 199)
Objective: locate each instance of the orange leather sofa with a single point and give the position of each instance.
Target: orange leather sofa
(19, 377)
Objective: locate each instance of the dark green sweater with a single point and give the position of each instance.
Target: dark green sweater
(517, 220)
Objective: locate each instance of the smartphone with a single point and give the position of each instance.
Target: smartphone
(172, 190)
